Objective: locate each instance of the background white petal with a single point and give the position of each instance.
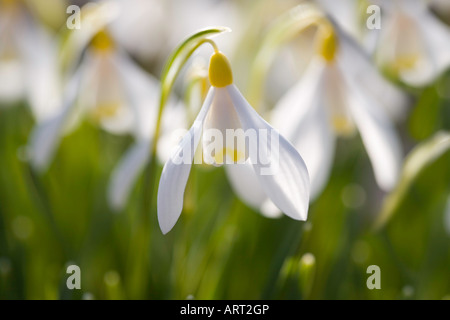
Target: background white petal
(378, 135)
(300, 116)
(46, 136)
(142, 93)
(246, 186)
(437, 40)
(175, 175)
(125, 175)
(355, 61)
(288, 185)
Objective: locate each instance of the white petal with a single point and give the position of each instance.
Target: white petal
(345, 12)
(302, 119)
(125, 175)
(39, 53)
(292, 107)
(288, 184)
(96, 16)
(437, 40)
(173, 127)
(142, 93)
(402, 49)
(175, 174)
(378, 135)
(220, 118)
(46, 136)
(138, 20)
(103, 95)
(246, 185)
(360, 66)
(12, 86)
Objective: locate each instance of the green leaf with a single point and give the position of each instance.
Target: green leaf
(425, 116)
(420, 158)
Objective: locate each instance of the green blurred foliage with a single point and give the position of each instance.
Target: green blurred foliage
(220, 249)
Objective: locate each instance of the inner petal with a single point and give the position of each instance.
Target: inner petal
(336, 102)
(104, 95)
(224, 140)
(409, 51)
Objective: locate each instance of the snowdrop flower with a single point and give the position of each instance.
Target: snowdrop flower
(340, 93)
(142, 19)
(109, 88)
(413, 43)
(225, 109)
(351, 16)
(28, 58)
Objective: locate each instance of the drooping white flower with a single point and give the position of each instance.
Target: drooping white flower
(28, 56)
(109, 88)
(352, 16)
(413, 43)
(341, 92)
(225, 109)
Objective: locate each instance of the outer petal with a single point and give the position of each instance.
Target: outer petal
(287, 187)
(142, 93)
(173, 126)
(246, 185)
(345, 12)
(359, 65)
(125, 175)
(378, 135)
(437, 39)
(39, 53)
(302, 119)
(103, 95)
(175, 174)
(46, 135)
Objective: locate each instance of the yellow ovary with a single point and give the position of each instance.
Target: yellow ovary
(102, 41)
(220, 74)
(328, 43)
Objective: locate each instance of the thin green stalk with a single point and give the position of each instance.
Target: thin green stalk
(40, 195)
(170, 73)
(283, 30)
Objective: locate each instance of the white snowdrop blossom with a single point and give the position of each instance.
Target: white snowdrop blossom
(339, 94)
(225, 109)
(107, 87)
(413, 43)
(28, 56)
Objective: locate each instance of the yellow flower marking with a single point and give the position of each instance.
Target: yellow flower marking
(406, 61)
(229, 153)
(105, 110)
(342, 125)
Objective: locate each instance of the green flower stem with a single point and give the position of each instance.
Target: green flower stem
(170, 72)
(41, 198)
